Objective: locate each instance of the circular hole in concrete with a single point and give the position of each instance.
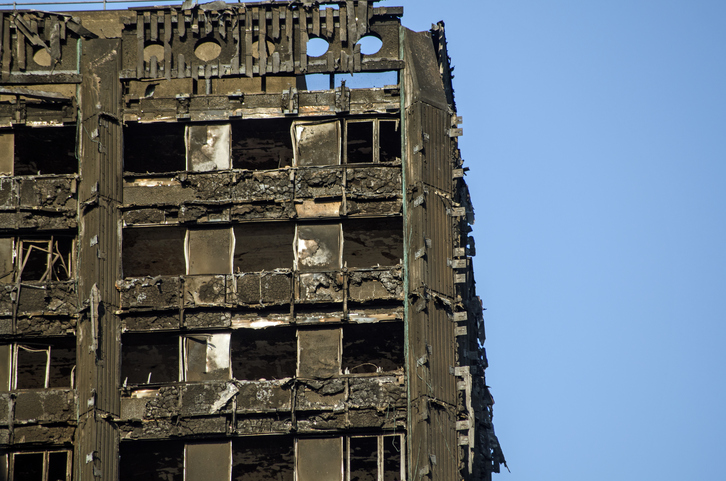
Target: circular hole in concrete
(370, 44)
(208, 50)
(42, 57)
(154, 50)
(256, 48)
(317, 47)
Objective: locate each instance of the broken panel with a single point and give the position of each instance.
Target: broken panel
(373, 242)
(319, 459)
(7, 152)
(206, 357)
(49, 150)
(263, 458)
(208, 147)
(152, 461)
(317, 143)
(149, 358)
(373, 347)
(318, 247)
(261, 144)
(153, 251)
(6, 361)
(209, 251)
(263, 247)
(154, 148)
(208, 461)
(264, 353)
(7, 257)
(319, 353)
(44, 365)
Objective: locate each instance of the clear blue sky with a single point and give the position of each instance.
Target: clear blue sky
(596, 136)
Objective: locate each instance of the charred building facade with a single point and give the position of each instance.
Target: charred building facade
(224, 258)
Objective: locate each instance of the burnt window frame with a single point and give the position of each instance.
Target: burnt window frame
(47, 347)
(54, 257)
(376, 140)
(7, 463)
(346, 453)
(380, 454)
(13, 132)
(182, 362)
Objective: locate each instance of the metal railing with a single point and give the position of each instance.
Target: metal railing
(62, 5)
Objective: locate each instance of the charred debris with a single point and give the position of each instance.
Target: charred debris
(222, 257)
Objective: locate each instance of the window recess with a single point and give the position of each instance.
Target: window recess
(38, 151)
(373, 347)
(372, 141)
(264, 353)
(149, 359)
(351, 458)
(43, 259)
(261, 144)
(38, 365)
(36, 466)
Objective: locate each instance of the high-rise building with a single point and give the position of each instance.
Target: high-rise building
(234, 244)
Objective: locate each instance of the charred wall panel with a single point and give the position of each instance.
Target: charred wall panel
(99, 262)
(431, 342)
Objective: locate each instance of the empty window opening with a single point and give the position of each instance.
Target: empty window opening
(151, 460)
(206, 357)
(208, 147)
(317, 46)
(263, 458)
(154, 148)
(369, 44)
(363, 458)
(263, 246)
(319, 459)
(43, 259)
(319, 81)
(393, 469)
(44, 365)
(317, 143)
(367, 80)
(389, 141)
(209, 251)
(261, 144)
(153, 251)
(374, 140)
(319, 353)
(359, 142)
(373, 347)
(318, 247)
(209, 461)
(37, 466)
(373, 242)
(149, 359)
(40, 151)
(264, 353)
